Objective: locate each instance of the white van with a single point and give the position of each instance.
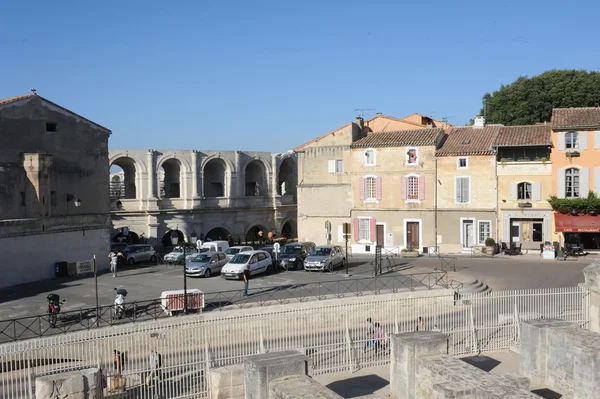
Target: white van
(214, 246)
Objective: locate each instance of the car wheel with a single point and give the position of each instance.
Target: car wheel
(153, 259)
(130, 261)
(300, 265)
(207, 273)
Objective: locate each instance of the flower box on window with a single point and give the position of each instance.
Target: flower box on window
(573, 154)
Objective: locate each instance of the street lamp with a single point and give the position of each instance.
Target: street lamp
(174, 241)
(75, 199)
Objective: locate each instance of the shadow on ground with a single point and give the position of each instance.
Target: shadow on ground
(484, 363)
(358, 386)
(547, 393)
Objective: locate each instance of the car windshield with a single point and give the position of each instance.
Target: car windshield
(291, 249)
(320, 252)
(232, 251)
(240, 258)
(202, 258)
(177, 249)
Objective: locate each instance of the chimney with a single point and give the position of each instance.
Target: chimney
(379, 114)
(360, 122)
(479, 122)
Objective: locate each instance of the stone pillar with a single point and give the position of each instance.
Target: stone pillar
(592, 282)
(152, 175)
(299, 386)
(239, 181)
(260, 370)
(195, 174)
(534, 348)
(81, 384)
(406, 350)
(227, 382)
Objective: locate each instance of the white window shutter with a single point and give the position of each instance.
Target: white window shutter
(536, 191)
(466, 190)
(597, 139)
(331, 166)
(340, 233)
(561, 183)
(513, 192)
(458, 189)
(597, 181)
(583, 140)
(562, 145)
(584, 182)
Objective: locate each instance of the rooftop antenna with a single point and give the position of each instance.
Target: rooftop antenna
(361, 111)
(33, 91)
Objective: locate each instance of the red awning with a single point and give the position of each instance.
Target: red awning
(576, 224)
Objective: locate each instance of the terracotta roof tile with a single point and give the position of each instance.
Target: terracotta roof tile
(401, 138)
(512, 136)
(4, 101)
(576, 118)
(468, 140)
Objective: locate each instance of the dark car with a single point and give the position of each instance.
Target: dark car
(292, 255)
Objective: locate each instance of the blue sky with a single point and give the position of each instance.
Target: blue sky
(271, 75)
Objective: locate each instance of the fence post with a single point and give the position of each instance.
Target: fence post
(29, 371)
(351, 353)
(517, 322)
(473, 334)
(262, 340)
(396, 327)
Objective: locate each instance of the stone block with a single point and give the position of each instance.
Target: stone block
(81, 384)
(261, 369)
(227, 382)
(452, 390)
(586, 370)
(592, 282)
(534, 343)
(298, 387)
(406, 350)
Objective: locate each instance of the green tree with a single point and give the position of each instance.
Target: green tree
(530, 100)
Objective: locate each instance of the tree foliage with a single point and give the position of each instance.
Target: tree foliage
(527, 101)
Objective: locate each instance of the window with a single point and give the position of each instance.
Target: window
(370, 157)
(51, 127)
(524, 191)
(411, 156)
(335, 165)
(572, 183)
(412, 188)
(485, 230)
(364, 229)
(572, 140)
(462, 186)
(463, 163)
(370, 188)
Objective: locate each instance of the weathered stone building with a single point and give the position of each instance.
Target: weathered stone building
(216, 194)
(54, 201)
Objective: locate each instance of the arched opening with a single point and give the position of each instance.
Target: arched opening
(166, 240)
(218, 233)
(214, 178)
(288, 177)
(254, 233)
(289, 230)
(169, 177)
(122, 179)
(130, 239)
(255, 179)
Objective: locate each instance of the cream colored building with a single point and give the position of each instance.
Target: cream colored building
(466, 188)
(524, 173)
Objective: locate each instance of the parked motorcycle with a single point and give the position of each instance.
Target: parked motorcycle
(120, 302)
(53, 308)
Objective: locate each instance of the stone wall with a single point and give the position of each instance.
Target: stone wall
(82, 384)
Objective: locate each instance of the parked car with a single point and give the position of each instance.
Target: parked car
(139, 253)
(259, 261)
(232, 251)
(292, 255)
(325, 257)
(206, 263)
(176, 255)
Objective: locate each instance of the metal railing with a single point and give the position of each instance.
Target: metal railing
(335, 335)
(88, 318)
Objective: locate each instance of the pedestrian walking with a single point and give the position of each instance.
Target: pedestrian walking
(120, 259)
(420, 324)
(113, 263)
(370, 334)
(379, 337)
(246, 279)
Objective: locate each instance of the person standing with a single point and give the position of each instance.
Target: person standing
(246, 277)
(120, 259)
(113, 263)
(420, 324)
(379, 337)
(370, 334)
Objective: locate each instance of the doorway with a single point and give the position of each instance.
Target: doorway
(527, 232)
(413, 234)
(380, 235)
(467, 231)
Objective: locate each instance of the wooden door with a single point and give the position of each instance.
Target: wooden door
(380, 235)
(412, 235)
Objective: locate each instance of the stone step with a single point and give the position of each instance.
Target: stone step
(474, 287)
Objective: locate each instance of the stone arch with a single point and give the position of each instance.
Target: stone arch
(252, 234)
(215, 171)
(287, 177)
(255, 179)
(166, 239)
(127, 187)
(218, 233)
(289, 229)
(170, 177)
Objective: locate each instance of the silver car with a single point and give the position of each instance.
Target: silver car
(139, 253)
(232, 251)
(176, 256)
(325, 257)
(206, 263)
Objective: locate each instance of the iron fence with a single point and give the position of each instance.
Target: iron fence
(336, 335)
(88, 318)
